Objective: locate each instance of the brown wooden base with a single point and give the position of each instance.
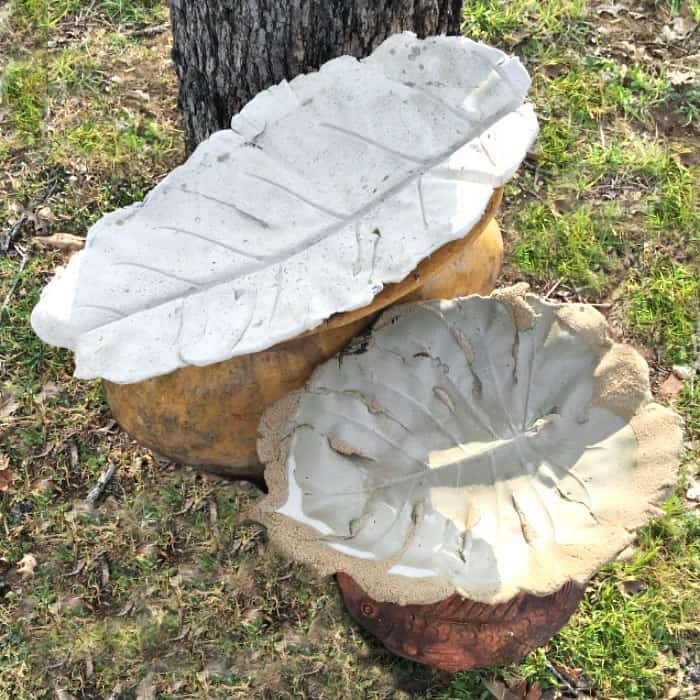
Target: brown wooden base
(456, 633)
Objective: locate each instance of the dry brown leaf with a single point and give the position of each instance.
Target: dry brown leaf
(63, 695)
(80, 509)
(146, 689)
(8, 403)
(139, 95)
(519, 689)
(671, 386)
(631, 587)
(49, 390)
(5, 473)
(679, 29)
(496, 688)
(149, 550)
(74, 456)
(214, 669)
(680, 77)
(45, 212)
(500, 691)
(517, 36)
(43, 486)
(613, 9)
(554, 70)
(104, 571)
(66, 603)
(111, 505)
(251, 616)
(26, 566)
(60, 241)
(535, 692)
(213, 511)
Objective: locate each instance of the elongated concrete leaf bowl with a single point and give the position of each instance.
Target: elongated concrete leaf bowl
(208, 416)
(463, 460)
(324, 190)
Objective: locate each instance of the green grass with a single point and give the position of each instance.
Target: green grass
(670, 189)
(557, 146)
(30, 16)
(133, 11)
(689, 404)
(674, 207)
(527, 20)
(42, 15)
(663, 308)
(23, 87)
(108, 143)
(74, 70)
(631, 89)
(31, 359)
(693, 4)
(589, 89)
(626, 641)
(166, 574)
(578, 247)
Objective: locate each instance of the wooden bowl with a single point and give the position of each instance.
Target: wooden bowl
(208, 416)
(456, 634)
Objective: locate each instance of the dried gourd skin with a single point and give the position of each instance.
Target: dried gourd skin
(484, 446)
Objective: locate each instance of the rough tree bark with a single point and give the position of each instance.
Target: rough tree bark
(226, 51)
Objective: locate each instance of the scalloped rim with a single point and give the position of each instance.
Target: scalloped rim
(621, 385)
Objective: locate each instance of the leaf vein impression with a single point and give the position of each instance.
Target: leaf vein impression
(372, 142)
(214, 241)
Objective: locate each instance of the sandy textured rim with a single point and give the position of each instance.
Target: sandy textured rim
(621, 384)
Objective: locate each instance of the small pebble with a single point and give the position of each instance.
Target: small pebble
(693, 492)
(682, 371)
(627, 554)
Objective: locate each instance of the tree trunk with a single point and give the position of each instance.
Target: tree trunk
(226, 51)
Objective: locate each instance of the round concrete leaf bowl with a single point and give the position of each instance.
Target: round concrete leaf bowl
(187, 414)
(465, 468)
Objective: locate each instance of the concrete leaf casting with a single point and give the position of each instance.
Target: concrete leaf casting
(485, 446)
(324, 189)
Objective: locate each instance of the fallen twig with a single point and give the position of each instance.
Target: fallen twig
(562, 679)
(15, 282)
(149, 31)
(62, 241)
(96, 491)
(553, 288)
(14, 234)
